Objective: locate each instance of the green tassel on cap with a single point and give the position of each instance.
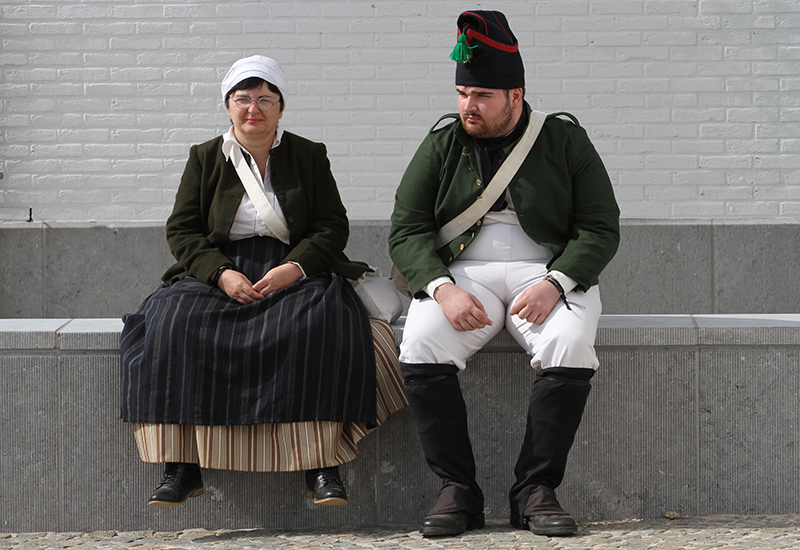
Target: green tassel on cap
(462, 53)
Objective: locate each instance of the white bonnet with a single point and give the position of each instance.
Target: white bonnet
(255, 65)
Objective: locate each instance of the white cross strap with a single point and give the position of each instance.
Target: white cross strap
(497, 186)
(258, 196)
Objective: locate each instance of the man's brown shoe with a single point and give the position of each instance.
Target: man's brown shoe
(545, 516)
(552, 526)
(453, 523)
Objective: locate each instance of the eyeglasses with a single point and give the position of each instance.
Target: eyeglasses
(262, 103)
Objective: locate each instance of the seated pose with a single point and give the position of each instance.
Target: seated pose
(255, 354)
(495, 227)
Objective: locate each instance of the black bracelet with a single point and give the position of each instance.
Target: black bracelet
(560, 289)
(217, 274)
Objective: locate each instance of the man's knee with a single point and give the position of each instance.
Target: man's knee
(422, 347)
(565, 350)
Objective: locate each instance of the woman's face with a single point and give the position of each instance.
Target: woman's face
(253, 124)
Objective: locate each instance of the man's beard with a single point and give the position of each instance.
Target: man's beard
(499, 127)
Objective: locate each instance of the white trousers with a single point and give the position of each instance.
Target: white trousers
(509, 263)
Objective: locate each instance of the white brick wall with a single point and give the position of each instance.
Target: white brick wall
(694, 105)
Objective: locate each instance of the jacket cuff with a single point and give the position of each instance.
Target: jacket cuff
(566, 282)
(431, 287)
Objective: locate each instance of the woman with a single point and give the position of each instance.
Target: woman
(255, 354)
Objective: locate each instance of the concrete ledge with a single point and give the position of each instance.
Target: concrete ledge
(663, 266)
(695, 414)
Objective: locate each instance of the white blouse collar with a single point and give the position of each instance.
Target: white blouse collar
(228, 140)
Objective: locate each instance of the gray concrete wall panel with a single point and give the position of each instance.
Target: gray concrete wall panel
(749, 430)
(634, 454)
(756, 267)
(101, 271)
(368, 243)
(21, 261)
(30, 482)
(98, 485)
(662, 267)
(706, 428)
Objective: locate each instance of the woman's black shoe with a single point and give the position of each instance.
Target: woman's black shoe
(181, 481)
(325, 486)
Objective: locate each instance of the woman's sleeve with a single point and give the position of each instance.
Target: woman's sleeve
(188, 225)
(327, 229)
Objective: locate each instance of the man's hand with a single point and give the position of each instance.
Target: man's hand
(278, 278)
(536, 302)
(464, 311)
(238, 286)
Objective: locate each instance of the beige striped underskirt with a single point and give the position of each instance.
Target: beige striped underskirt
(278, 447)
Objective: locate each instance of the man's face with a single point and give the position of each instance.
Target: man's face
(485, 112)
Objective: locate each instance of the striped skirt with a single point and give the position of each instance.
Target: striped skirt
(278, 447)
(192, 355)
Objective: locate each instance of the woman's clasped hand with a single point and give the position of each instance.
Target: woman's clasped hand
(238, 286)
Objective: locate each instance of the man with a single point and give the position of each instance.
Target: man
(530, 264)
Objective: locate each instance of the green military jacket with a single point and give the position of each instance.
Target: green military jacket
(209, 195)
(562, 195)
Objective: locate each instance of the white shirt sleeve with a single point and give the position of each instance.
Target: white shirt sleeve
(566, 282)
(436, 283)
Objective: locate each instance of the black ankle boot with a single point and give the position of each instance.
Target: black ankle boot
(181, 481)
(325, 486)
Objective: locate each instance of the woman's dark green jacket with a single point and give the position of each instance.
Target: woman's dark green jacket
(210, 193)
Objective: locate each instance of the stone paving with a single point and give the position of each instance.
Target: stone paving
(711, 532)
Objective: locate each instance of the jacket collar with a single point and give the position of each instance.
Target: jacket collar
(228, 141)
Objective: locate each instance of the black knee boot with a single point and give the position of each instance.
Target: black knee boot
(556, 406)
(437, 405)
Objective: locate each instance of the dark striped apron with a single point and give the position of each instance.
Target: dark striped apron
(192, 355)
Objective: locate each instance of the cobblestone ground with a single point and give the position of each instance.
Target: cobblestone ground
(717, 532)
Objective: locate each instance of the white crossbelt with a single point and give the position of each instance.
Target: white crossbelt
(258, 196)
(497, 186)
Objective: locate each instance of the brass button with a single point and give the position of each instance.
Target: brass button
(479, 222)
(461, 247)
(478, 182)
(451, 259)
(473, 235)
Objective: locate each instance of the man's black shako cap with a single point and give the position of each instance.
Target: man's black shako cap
(487, 52)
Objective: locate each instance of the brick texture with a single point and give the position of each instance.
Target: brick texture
(694, 106)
